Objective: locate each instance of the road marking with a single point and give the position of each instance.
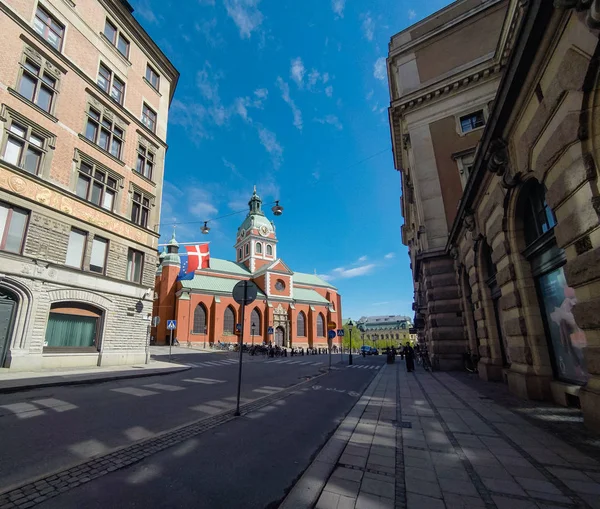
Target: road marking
(220, 404)
(210, 410)
(134, 391)
(264, 390)
(206, 381)
(305, 363)
(272, 388)
(212, 363)
(295, 362)
(164, 387)
(284, 362)
(55, 404)
(23, 410)
(317, 363)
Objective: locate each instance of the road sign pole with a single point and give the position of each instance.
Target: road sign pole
(170, 343)
(239, 387)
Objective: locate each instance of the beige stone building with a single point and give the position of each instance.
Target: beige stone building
(84, 100)
(521, 255)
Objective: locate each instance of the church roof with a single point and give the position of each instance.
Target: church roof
(228, 267)
(311, 280)
(306, 295)
(214, 284)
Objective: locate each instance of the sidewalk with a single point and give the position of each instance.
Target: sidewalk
(454, 443)
(13, 381)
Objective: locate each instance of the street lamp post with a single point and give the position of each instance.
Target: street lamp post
(252, 332)
(205, 338)
(350, 327)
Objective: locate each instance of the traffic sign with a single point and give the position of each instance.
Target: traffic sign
(270, 330)
(171, 324)
(245, 292)
(331, 334)
(331, 325)
(238, 327)
(340, 332)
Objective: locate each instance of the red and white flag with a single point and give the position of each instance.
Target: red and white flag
(198, 257)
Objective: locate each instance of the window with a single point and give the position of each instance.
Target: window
(472, 121)
(152, 77)
(116, 38)
(538, 217)
(99, 251)
(255, 321)
(199, 320)
(112, 85)
(36, 85)
(259, 248)
(149, 118)
(320, 326)
(23, 148)
(94, 184)
(228, 321)
(145, 162)
(140, 209)
(301, 324)
(73, 325)
(246, 250)
(13, 223)
(135, 264)
(76, 248)
(240, 253)
(50, 29)
(279, 285)
(269, 250)
(103, 131)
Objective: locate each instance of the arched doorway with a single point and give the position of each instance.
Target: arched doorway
(8, 305)
(279, 336)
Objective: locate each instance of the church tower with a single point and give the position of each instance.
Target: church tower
(256, 243)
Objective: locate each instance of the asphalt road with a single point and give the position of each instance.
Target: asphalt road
(253, 459)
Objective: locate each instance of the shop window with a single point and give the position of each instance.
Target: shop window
(73, 325)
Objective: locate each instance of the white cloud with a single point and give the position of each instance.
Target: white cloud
(313, 77)
(201, 203)
(232, 167)
(246, 15)
(240, 108)
(325, 77)
(331, 120)
(361, 270)
(363, 258)
(285, 95)
(207, 29)
(272, 146)
(207, 82)
(261, 93)
(145, 11)
(389, 256)
(329, 91)
(193, 117)
(370, 95)
(368, 26)
(412, 14)
(297, 71)
(379, 69)
(338, 7)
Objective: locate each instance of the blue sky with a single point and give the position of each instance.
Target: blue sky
(290, 95)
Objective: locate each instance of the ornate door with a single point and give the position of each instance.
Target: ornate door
(279, 335)
(7, 308)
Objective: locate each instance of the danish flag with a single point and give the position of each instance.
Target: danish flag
(195, 257)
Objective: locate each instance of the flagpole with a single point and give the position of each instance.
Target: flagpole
(186, 244)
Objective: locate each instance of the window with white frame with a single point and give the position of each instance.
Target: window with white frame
(76, 248)
(135, 266)
(465, 162)
(149, 117)
(472, 121)
(258, 248)
(23, 147)
(98, 257)
(49, 28)
(13, 226)
(111, 84)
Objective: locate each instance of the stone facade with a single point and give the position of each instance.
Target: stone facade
(525, 238)
(74, 186)
(385, 331)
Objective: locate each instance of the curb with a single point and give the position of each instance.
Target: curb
(57, 382)
(308, 489)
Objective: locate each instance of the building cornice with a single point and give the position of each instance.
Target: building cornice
(590, 7)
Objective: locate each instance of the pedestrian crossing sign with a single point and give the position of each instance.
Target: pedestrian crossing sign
(171, 324)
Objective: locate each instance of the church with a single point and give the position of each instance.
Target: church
(292, 309)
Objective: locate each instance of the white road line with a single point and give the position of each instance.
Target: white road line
(295, 362)
(206, 381)
(210, 410)
(24, 410)
(317, 363)
(134, 391)
(272, 388)
(264, 391)
(55, 404)
(164, 387)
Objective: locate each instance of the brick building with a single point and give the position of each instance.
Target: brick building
(514, 272)
(84, 100)
(297, 306)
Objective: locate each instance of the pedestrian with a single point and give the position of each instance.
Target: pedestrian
(302, 351)
(410, 357)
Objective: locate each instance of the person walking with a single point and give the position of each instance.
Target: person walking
(409, 354)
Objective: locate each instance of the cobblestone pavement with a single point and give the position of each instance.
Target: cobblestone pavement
(445, 441)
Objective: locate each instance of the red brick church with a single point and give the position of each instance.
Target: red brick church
(297, 306)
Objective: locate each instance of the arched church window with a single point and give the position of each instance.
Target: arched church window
(255, 321)
(320, 326)
(259, 248)
(199, 319)
(240, 253)
(228, 321)
(301, 329)
(269, 250)
(247, 249)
